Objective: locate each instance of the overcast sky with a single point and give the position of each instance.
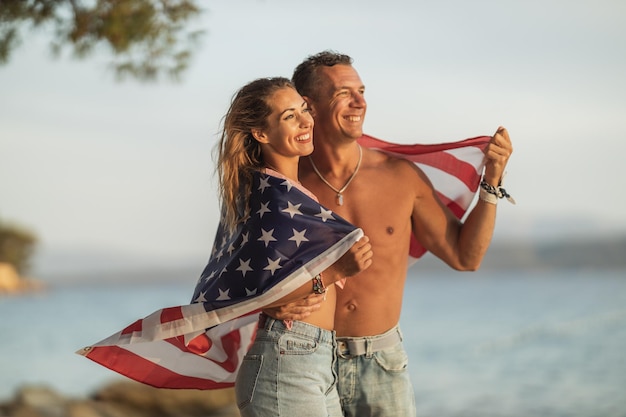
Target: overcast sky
(125, 169)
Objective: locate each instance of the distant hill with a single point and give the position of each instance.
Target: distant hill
(572, 253)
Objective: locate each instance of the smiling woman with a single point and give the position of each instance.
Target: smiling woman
(268, 128)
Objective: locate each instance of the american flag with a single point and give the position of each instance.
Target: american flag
(286, 239)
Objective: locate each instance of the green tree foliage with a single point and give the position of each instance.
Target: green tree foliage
(147, 38)
(17, 246)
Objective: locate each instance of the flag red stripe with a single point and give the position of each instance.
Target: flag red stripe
(140, 369)
(135, 327)
(171, 314)
(434, 155)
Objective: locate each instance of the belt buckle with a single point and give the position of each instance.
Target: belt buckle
(343, 348)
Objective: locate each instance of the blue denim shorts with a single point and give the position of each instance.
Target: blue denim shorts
(376, 384)
(289, 372)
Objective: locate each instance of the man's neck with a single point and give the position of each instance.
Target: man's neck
(335, 156)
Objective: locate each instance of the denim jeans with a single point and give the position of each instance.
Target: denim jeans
(376, 384)
(289, 372)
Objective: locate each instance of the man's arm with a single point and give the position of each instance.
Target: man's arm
(462, 245)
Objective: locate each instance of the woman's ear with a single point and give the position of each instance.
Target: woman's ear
(259, 135)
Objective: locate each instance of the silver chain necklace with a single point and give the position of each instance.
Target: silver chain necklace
(340, 191)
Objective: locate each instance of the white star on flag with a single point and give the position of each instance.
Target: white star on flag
(292, 209)
(325, 214)
(267, 237)
(264, 184)
(263, 209)
(272, 265)
(224, 295)
(298, 237)
(201, 298)
(244, 266)
(208, 277)
(287, 184)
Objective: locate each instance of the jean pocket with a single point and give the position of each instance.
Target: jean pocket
(393, 359)
(247, 379)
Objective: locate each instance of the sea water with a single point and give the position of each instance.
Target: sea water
(518, 344)
(480, 344)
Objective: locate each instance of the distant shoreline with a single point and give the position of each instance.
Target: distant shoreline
(578, 253)
(575, 253)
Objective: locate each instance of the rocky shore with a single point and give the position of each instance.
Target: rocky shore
(12, 283)
(121, 399)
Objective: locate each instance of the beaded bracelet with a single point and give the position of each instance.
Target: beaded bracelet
(490, 194)
(318, 285)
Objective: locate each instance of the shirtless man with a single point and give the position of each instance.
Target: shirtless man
(389, 198)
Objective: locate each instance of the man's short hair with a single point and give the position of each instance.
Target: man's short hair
(306, 77)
